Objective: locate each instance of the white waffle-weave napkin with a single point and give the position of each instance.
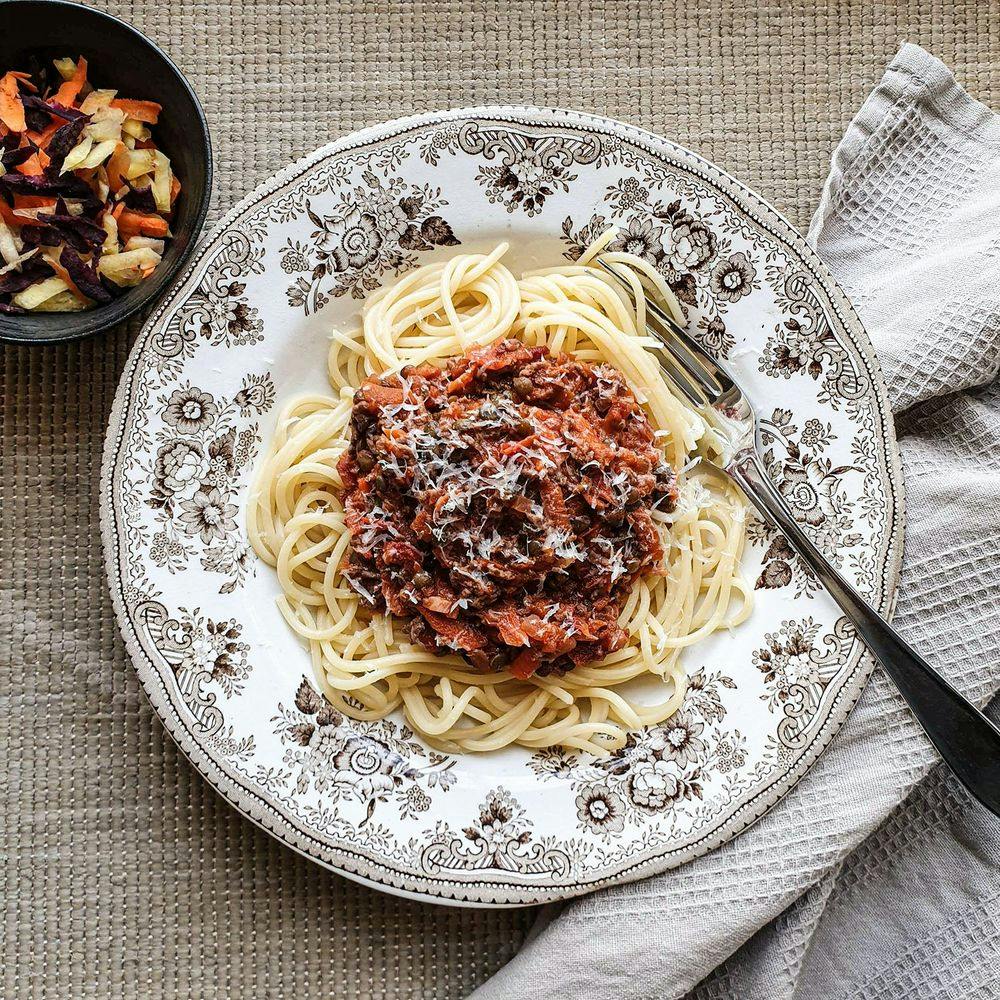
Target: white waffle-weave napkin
(825, 897)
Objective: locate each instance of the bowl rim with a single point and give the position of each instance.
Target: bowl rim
(9, 331)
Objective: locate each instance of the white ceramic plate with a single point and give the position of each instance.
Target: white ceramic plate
(246, 329)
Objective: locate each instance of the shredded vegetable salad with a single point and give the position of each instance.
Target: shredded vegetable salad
(86, 197)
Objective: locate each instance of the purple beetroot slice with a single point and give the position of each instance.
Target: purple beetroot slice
(31, 271)
(71, 187)
(84, 275)
(64, 139)
(67, 114)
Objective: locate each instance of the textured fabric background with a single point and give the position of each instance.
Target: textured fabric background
(122, 873)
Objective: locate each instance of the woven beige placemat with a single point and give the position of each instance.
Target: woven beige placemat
(124, 874)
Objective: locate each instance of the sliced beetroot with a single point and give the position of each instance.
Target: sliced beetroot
(34, 102)
(9, 307)
(65, 138)
(92, 234)
(140, 199)
(31, 271)
(15, 157)
(85, 275)
(49, 236)
(112, 289)
(67, 185)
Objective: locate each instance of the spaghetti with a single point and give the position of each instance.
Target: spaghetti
(366, 661)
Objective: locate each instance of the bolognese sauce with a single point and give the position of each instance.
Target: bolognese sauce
(503, 505)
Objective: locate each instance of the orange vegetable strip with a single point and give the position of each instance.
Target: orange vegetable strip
(147, 112)
(31, 167)
(13, 219)
(117, 165)
(42, 138)
(11, 107)
(25, 80)
(132, 223)
(175, 188)
(34, 201)
(67, 94)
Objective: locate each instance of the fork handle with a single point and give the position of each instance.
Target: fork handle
(966, 740)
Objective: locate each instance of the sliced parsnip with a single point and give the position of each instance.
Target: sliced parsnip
(66, 67)
(103, 188)
(134, 128)
(64, 302)
(161, 181)
(149, 242)
(126, 269)
(140, 161)
(9, 249)
(97, 100)
(106, 124)
(77, 155)
(41, 291)
(110, 224)
(99, 154)
(15, 265)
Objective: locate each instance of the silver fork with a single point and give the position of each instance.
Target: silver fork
(966, 740)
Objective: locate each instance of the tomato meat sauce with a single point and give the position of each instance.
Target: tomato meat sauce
(502, 505)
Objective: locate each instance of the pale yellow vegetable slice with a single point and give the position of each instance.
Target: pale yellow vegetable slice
(99, 154)
(64, 302)
(147, 242)
(162, 176)
(77, 154)
(136, 129)
(140, 161)
(103, 188)
(97, 100)
(126, 269)
(9, 249)
(110, 224)
(41, 291)
(15, 265)
(66, 67)
(107, 124)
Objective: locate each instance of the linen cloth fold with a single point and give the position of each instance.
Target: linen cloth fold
(825, 896)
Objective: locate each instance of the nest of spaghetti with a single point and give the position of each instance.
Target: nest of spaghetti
(503, 505)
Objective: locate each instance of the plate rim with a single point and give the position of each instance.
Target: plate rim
(494, 893)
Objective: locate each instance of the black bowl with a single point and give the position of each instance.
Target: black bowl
(118, 57)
